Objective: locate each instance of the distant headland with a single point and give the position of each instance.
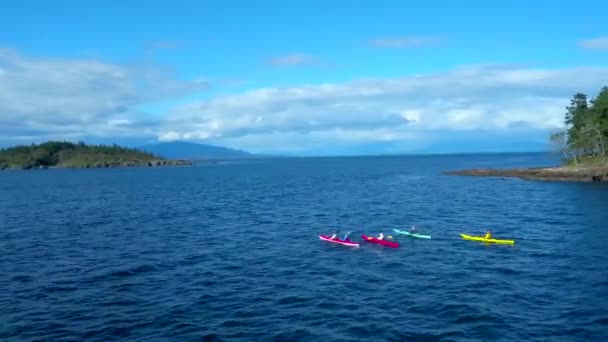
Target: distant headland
(60, 154)
(583, 145)
(194, 151)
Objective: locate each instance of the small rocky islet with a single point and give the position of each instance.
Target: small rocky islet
(60, 154)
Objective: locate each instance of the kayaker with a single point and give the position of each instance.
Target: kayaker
(345, 238)
(381, 236)
(488, 235)
(413, 229)
(334, 235)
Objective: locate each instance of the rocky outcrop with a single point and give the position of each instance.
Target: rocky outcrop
(581, 174)
(137, 163)
(107, 164)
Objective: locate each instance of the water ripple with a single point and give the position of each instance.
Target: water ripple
(230, 252)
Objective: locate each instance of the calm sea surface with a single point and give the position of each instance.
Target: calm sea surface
(231, 252)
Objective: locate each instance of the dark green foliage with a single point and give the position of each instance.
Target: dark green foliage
(576, 115)
(599, 110)
(66, 154)
(587, 122)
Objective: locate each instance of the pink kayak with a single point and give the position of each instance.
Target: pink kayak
(381, 242)
(338, 241)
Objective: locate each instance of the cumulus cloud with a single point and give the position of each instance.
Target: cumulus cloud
(79, 96)
(70, 99)
(600, 43)
(294, 59)
(169, 136)
(488, 98)
(404, 42)
(331, 141)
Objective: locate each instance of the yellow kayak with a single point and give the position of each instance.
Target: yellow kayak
(482, 239)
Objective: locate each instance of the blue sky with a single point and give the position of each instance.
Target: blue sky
(299, 77)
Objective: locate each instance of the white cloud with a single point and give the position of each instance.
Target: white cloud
(486, 98)
(79, 96)
(600, 43)
(405, 42)
(170, 136)
(119, 122)
(411, 115)
(61, 98)
(327, 141)
(294, 59)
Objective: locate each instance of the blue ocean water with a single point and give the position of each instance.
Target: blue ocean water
(230, 251)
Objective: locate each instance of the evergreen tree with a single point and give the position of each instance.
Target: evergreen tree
(599, 111)
(575, 118)
(586, 137)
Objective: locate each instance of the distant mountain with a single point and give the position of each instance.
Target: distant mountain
(193, 151)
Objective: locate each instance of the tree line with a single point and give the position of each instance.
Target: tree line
(585, 140)
(61, 153)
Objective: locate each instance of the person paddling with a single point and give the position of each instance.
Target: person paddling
(488, 235)
(345, 238)
(334, 235)
(381, 236)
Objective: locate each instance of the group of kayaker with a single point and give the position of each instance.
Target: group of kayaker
(380, 236)
(487, 236)
(411, 231)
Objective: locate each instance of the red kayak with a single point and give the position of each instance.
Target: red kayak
(381, 242)
(339, 241)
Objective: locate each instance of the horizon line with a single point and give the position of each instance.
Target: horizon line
(291, 155)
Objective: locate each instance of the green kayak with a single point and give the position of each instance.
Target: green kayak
(416, 235)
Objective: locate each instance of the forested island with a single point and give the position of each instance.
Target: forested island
(583, 145)
(70, 155)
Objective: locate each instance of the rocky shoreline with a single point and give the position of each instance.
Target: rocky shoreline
(563, 173)
(111, 164)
